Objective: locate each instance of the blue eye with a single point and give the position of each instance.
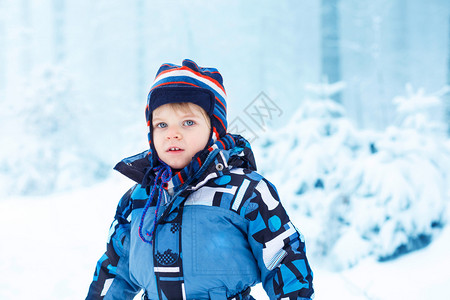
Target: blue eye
(189, 123)
(161, 125)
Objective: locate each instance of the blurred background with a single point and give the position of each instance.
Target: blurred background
(347, 103)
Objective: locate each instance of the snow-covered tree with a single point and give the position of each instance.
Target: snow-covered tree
(421, 112)
(360, 193)
(46, 152)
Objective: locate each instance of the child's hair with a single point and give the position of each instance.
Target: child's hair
(189, 107)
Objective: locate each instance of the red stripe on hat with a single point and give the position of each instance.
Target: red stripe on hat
(216, 133)
(223, 144)
(173, 82)
(217, 99)
(212, 72)
(169, 65)
(204, 76)
(220, 120)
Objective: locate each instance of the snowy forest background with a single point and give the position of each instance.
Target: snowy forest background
(347, 103)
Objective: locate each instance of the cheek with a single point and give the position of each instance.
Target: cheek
(157, 140)
(206, 136)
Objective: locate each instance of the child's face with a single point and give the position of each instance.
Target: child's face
(178, 134)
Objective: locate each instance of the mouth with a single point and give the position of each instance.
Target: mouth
(174, 149)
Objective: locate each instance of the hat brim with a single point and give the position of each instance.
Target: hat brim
(199, 96)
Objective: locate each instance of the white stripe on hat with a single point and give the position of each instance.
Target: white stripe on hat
(187, 73)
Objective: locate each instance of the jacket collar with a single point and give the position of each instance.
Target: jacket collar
(134, 167)
(235, 151)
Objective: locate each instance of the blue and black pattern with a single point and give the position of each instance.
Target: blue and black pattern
(167, 258)
(283, 247)
(175, 227)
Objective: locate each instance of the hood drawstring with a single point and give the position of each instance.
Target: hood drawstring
(163, 176)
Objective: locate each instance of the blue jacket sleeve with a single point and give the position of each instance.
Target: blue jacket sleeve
(111, 276)
(278, 247)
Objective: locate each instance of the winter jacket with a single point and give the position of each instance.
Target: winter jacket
(217, 234)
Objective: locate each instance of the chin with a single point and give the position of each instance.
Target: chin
(177, 165)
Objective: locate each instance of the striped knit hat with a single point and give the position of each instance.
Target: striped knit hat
(190, 83)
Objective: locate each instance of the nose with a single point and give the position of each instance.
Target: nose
(173, 133)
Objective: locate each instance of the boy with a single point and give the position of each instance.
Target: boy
(200, 223)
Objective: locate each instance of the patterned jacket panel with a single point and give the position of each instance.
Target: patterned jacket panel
(278, 246)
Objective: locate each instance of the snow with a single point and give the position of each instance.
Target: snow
(422, 274)
(53, 244)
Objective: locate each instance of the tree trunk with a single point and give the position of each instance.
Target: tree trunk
(3, 46)
(330, 55)
(140, 49)
(447, 95)
(25, 41)
(58, 30)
